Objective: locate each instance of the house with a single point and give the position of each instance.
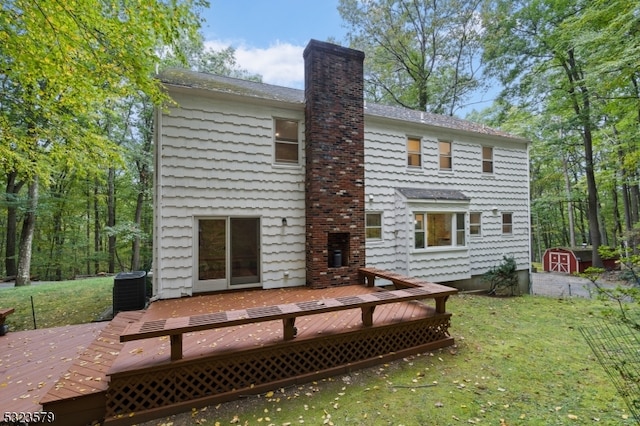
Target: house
(265, 186)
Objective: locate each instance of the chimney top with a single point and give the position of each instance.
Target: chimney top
(315, 45)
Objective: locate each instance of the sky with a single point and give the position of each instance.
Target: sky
(270, 35)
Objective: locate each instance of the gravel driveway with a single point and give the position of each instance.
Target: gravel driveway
(563, 285)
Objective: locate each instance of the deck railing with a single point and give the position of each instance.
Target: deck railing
(407, 289)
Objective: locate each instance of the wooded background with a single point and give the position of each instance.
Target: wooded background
(78, 93)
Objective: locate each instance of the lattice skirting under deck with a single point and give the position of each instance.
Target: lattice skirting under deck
(147, 394)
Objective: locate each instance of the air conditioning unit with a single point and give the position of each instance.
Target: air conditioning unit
(129, 291)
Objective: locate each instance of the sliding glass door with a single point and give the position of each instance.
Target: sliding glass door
(228, 253)
(245, 245)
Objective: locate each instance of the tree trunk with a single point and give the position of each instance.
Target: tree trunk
(592, 194)
(96, 228)
(11, 195)
(111, 218)
(580, 98)
(23, 276)
(88, 233)
(135, 249)
(567, 187)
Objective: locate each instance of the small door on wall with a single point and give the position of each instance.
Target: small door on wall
(228, 253)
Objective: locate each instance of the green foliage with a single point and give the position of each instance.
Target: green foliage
(573, 66)
(64, 62)
(626, 297)
(503, 277)
(420, 55)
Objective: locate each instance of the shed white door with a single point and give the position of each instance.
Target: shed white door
(228, 254)
(559, 262)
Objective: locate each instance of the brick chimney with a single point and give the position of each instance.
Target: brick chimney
(334, 133)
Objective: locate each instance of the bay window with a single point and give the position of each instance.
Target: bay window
(439, 230)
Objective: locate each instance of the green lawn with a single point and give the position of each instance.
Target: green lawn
(57, 303)
(517, 361)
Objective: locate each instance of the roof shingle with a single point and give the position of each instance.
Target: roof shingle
(236, 86)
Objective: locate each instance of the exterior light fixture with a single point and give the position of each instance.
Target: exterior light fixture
(284, 221)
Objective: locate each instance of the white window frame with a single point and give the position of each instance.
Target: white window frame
(486, 160)
(457, 230)
(411, 153)
(441, 156)
(277, 140)
(473, 224)
(507, 227)
(368, 227)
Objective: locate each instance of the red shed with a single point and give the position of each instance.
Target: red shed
(568, 260)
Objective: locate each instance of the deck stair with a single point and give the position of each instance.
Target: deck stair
(78, 397)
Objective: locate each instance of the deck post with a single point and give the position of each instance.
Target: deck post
(290, 330)
(441, 304)
(367, 279)
(367, 315)
(176, 347)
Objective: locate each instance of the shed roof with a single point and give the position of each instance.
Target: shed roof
(258, 90)
(433, 194)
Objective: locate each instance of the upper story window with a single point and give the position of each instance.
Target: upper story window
(446, 159)
(373, 226)
(475, 224)
(487, 159)
(414, 152)
(286, 141)
(439, 230)
(507, 223)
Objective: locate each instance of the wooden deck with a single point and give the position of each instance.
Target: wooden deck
(31, 362)
(126, 383)
(154, 352)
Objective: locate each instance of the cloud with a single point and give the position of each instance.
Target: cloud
(280, 63)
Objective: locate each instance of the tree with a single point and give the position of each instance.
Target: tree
(65, 61)
(422, 55)
(528, 45)
(609, 32)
